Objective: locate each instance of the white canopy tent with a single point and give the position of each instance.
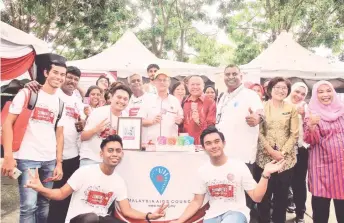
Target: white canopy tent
(129, 55)
(285, 57)
(19, 48)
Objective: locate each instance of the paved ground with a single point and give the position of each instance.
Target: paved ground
(10, 204)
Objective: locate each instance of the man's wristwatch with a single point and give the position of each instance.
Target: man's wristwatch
(147, 218)
(265, 177)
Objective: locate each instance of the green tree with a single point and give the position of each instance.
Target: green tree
(76, 29)
(254, 24)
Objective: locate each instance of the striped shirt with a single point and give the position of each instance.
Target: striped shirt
(326, 158)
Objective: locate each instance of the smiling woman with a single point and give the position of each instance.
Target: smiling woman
(277, 137)
(323, 129)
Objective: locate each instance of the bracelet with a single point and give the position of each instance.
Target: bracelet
(147, 217)
(265, 177)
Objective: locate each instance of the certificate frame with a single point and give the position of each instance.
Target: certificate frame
(130, 130)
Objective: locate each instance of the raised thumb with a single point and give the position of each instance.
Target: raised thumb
(250, 111)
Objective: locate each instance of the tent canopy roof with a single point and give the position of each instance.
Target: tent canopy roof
(285, 54)
(16, 36)
(128, 55)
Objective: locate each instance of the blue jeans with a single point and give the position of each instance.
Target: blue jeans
(34, 208)
(86, 162)
(228, 217)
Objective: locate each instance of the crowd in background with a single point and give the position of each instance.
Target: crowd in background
(260, 122)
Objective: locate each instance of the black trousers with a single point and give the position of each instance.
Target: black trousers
(299, 182)
(278, 186)
(58, 209)
(93, 218)
(321, 209)
(249, 201)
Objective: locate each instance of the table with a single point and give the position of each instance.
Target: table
(156, 177)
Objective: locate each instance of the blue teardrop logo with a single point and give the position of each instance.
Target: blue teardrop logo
(160, 177)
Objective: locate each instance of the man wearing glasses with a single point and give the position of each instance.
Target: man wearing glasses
(162, 115)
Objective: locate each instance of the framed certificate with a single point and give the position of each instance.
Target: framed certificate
(130, 130)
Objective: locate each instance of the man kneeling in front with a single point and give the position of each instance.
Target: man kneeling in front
(94, 188)
(225, 181)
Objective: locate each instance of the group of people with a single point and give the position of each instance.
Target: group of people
(261, 141)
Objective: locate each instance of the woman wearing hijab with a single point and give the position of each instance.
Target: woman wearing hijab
(210, 92)
(258, 89)
(297, 96)
(324, 131)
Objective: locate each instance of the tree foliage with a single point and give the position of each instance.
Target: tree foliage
(76, 29)
(254, 24)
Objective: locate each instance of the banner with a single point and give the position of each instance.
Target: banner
(156, 177)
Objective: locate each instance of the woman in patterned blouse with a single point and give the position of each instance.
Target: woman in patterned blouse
(277, 138)
(324, 131)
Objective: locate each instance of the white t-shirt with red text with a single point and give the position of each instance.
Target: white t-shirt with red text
(94, 191)
(90, 149)
(225, 186)
(135, 104)
(73, 108)
(39, 142)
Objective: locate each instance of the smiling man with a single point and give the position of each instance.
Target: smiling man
(73, 125)
(94, 188)
(225, 181)
(41, 147)
(101, 123)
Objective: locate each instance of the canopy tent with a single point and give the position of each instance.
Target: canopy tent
(285, 57)
(17, 51)
(128, 55)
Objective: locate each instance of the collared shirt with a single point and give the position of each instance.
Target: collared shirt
(280, 131)
(206, 108)
(169, 108)
(232, 109)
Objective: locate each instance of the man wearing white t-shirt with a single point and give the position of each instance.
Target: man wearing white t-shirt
(101, 123)
(73, 125)
(225, 181)
(163, 112)
(95, 187)
(138, 96)
(41, 147)
(239, 112)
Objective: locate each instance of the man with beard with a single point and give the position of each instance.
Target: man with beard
(73, 124)
(42, 145)
(151, 70)
(94, 188)
(138, 97)
(101, 123)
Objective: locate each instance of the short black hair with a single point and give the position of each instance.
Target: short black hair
(103, 77)
(276, 80)
(91, 89)
(56, 63)
(120, 87)
(73, 70)
(233, 66)
(150, 66)
(111, 138)
(210, 130)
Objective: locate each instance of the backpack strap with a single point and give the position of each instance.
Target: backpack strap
(32, 100)
(61, 106)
